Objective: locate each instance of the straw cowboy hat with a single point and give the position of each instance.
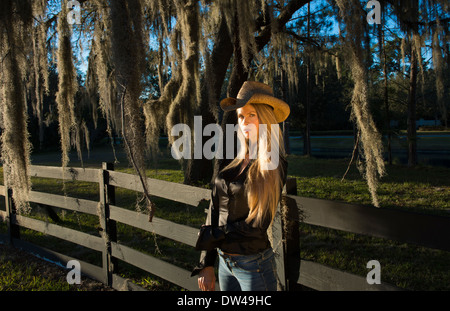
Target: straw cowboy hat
(253, 92)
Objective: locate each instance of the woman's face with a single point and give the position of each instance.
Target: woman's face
(248, 121)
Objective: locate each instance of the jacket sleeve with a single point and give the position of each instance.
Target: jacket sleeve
(208, 258)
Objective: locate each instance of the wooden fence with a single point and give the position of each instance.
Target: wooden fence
(426, 230)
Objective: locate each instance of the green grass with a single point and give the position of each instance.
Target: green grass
(20, 271)
(422, 189)
(14, 277)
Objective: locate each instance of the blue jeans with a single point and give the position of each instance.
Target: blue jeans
(247, 272)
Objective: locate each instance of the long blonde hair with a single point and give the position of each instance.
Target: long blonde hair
(263, 186)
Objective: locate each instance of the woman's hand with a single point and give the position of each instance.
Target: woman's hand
(207, 279)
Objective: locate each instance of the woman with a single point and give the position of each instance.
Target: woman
(245, 197)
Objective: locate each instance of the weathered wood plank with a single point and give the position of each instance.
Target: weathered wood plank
(278, 249)
(70, 173)
(60, 232)
(168, 229)
(323, 278)
(155, 266)
(421, 229)
(69, 203)
(161, 188)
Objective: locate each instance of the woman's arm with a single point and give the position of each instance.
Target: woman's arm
(208, 258)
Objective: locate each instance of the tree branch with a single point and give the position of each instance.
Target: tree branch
(303, 39)
(277, 24)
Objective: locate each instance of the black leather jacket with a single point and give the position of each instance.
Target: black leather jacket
(226, 223)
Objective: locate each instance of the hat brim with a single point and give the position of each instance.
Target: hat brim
(280, 108)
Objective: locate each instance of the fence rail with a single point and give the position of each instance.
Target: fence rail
(426, 230)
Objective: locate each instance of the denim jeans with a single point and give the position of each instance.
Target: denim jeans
(247, 272)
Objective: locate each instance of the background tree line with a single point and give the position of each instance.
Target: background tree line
(135, 68)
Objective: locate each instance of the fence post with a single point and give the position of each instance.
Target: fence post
(285, 240)
(13, 229)
(107, 197)
(291, 235)
(278, 248)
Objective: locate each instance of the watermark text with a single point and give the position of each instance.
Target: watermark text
(74, 275)
(374, 275)
(74, 14)
(266, 148)
(374, 16)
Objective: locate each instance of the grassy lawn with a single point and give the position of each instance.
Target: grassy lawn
(422, 189)
(20, 271)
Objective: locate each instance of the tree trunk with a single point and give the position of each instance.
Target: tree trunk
(412, 135)
(238, 76)
(200, 170)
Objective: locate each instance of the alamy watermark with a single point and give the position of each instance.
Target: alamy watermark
(213, 147)
(374, 16)
(374, 275)
(74, 14)
(74, 275)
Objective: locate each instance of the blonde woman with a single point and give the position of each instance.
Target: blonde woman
(245, 197)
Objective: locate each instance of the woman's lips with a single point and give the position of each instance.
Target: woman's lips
(248, 128)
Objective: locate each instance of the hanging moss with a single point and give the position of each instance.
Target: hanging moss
(39, 48)
(15, 17)
(188, 96)
(371, 144)
(185, 31)
(67, 86)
